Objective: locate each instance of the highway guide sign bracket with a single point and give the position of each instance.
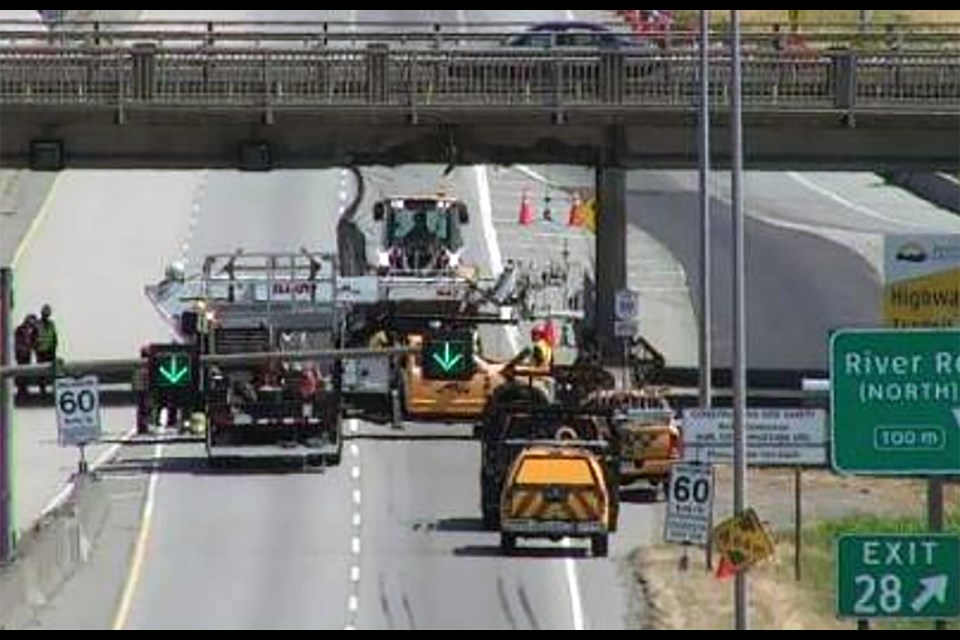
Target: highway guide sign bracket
(689, 505)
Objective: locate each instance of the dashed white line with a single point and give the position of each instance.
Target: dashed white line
(355, 450)
(354, 574)
(355, 473)
(354, 426)
(356, 497)
(357, 520)
(353, 604)
(355, 545)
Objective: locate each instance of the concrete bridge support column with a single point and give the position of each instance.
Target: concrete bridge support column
(611, 255)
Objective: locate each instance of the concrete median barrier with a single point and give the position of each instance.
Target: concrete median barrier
(51, 552)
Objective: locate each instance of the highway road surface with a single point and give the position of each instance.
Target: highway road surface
(389, 539)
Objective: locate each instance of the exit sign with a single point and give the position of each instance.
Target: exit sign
(448, 357)
(898, 576)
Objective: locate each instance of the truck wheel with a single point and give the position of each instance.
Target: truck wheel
(508, 544)
(600, 546)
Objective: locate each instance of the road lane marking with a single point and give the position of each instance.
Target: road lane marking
(355, 574)
(139, 552)
(849, 204)
(357, 519)
(486, 217)
(354, 450)
(69, 487)
(356, 497)
(36, 223)
(576, 604)
(355, 545)
(355, 472)
(353, 604)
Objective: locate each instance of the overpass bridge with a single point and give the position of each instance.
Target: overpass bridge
(289, 97)
(285, 96)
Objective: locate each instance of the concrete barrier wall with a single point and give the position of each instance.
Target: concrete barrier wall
(941, 189)
(50, 553)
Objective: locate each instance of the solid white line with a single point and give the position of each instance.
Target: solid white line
(139, 553)
(37, 222)
(355, 546)
(486, 217)
(576, 604)
(68, 488)
(831, 195)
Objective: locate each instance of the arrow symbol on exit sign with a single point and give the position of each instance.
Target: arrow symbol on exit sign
(934, 588)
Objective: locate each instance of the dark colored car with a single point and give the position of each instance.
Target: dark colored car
(573, 33)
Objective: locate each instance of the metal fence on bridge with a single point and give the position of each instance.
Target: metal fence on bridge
(379, 76)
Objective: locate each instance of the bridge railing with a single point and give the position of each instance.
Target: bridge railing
(150, 76)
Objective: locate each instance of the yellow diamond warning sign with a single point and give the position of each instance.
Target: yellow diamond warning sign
(743, 542)
(922, 277)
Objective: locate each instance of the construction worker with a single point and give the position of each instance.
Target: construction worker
(542, 349)
(47, 342)
(25, 343)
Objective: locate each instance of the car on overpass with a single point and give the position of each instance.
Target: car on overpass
(575, 33)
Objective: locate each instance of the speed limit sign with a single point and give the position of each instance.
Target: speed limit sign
(78, 411)
(689, 505)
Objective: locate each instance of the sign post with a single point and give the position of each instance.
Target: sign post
(448, 357)
(626, 327)
(898, 576)
(895, 402)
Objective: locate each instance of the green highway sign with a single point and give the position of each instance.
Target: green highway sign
(895, 402)
(898, 576)
(448, 357)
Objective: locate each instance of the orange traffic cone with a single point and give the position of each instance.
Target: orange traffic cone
(575, 218)
(526, 211)
(727, 569)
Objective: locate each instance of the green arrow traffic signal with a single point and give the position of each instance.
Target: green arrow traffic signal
(448, 361)
(173, 373)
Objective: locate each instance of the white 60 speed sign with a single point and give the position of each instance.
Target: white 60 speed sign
(78, 411)
(689, 505)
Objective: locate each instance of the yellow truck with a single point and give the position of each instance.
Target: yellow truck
(556, 492)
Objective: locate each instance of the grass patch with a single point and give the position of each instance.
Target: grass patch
(819, 564)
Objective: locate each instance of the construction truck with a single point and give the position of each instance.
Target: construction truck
(420, 235)
(513, 427)
(244, 303)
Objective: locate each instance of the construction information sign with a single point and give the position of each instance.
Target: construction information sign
(922, 278)
(775, 437)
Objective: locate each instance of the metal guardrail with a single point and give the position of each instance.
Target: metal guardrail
(151, 76)
(889, 36)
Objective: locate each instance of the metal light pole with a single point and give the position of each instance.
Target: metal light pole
(6, 428)
(706, 302)
(739, 310)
